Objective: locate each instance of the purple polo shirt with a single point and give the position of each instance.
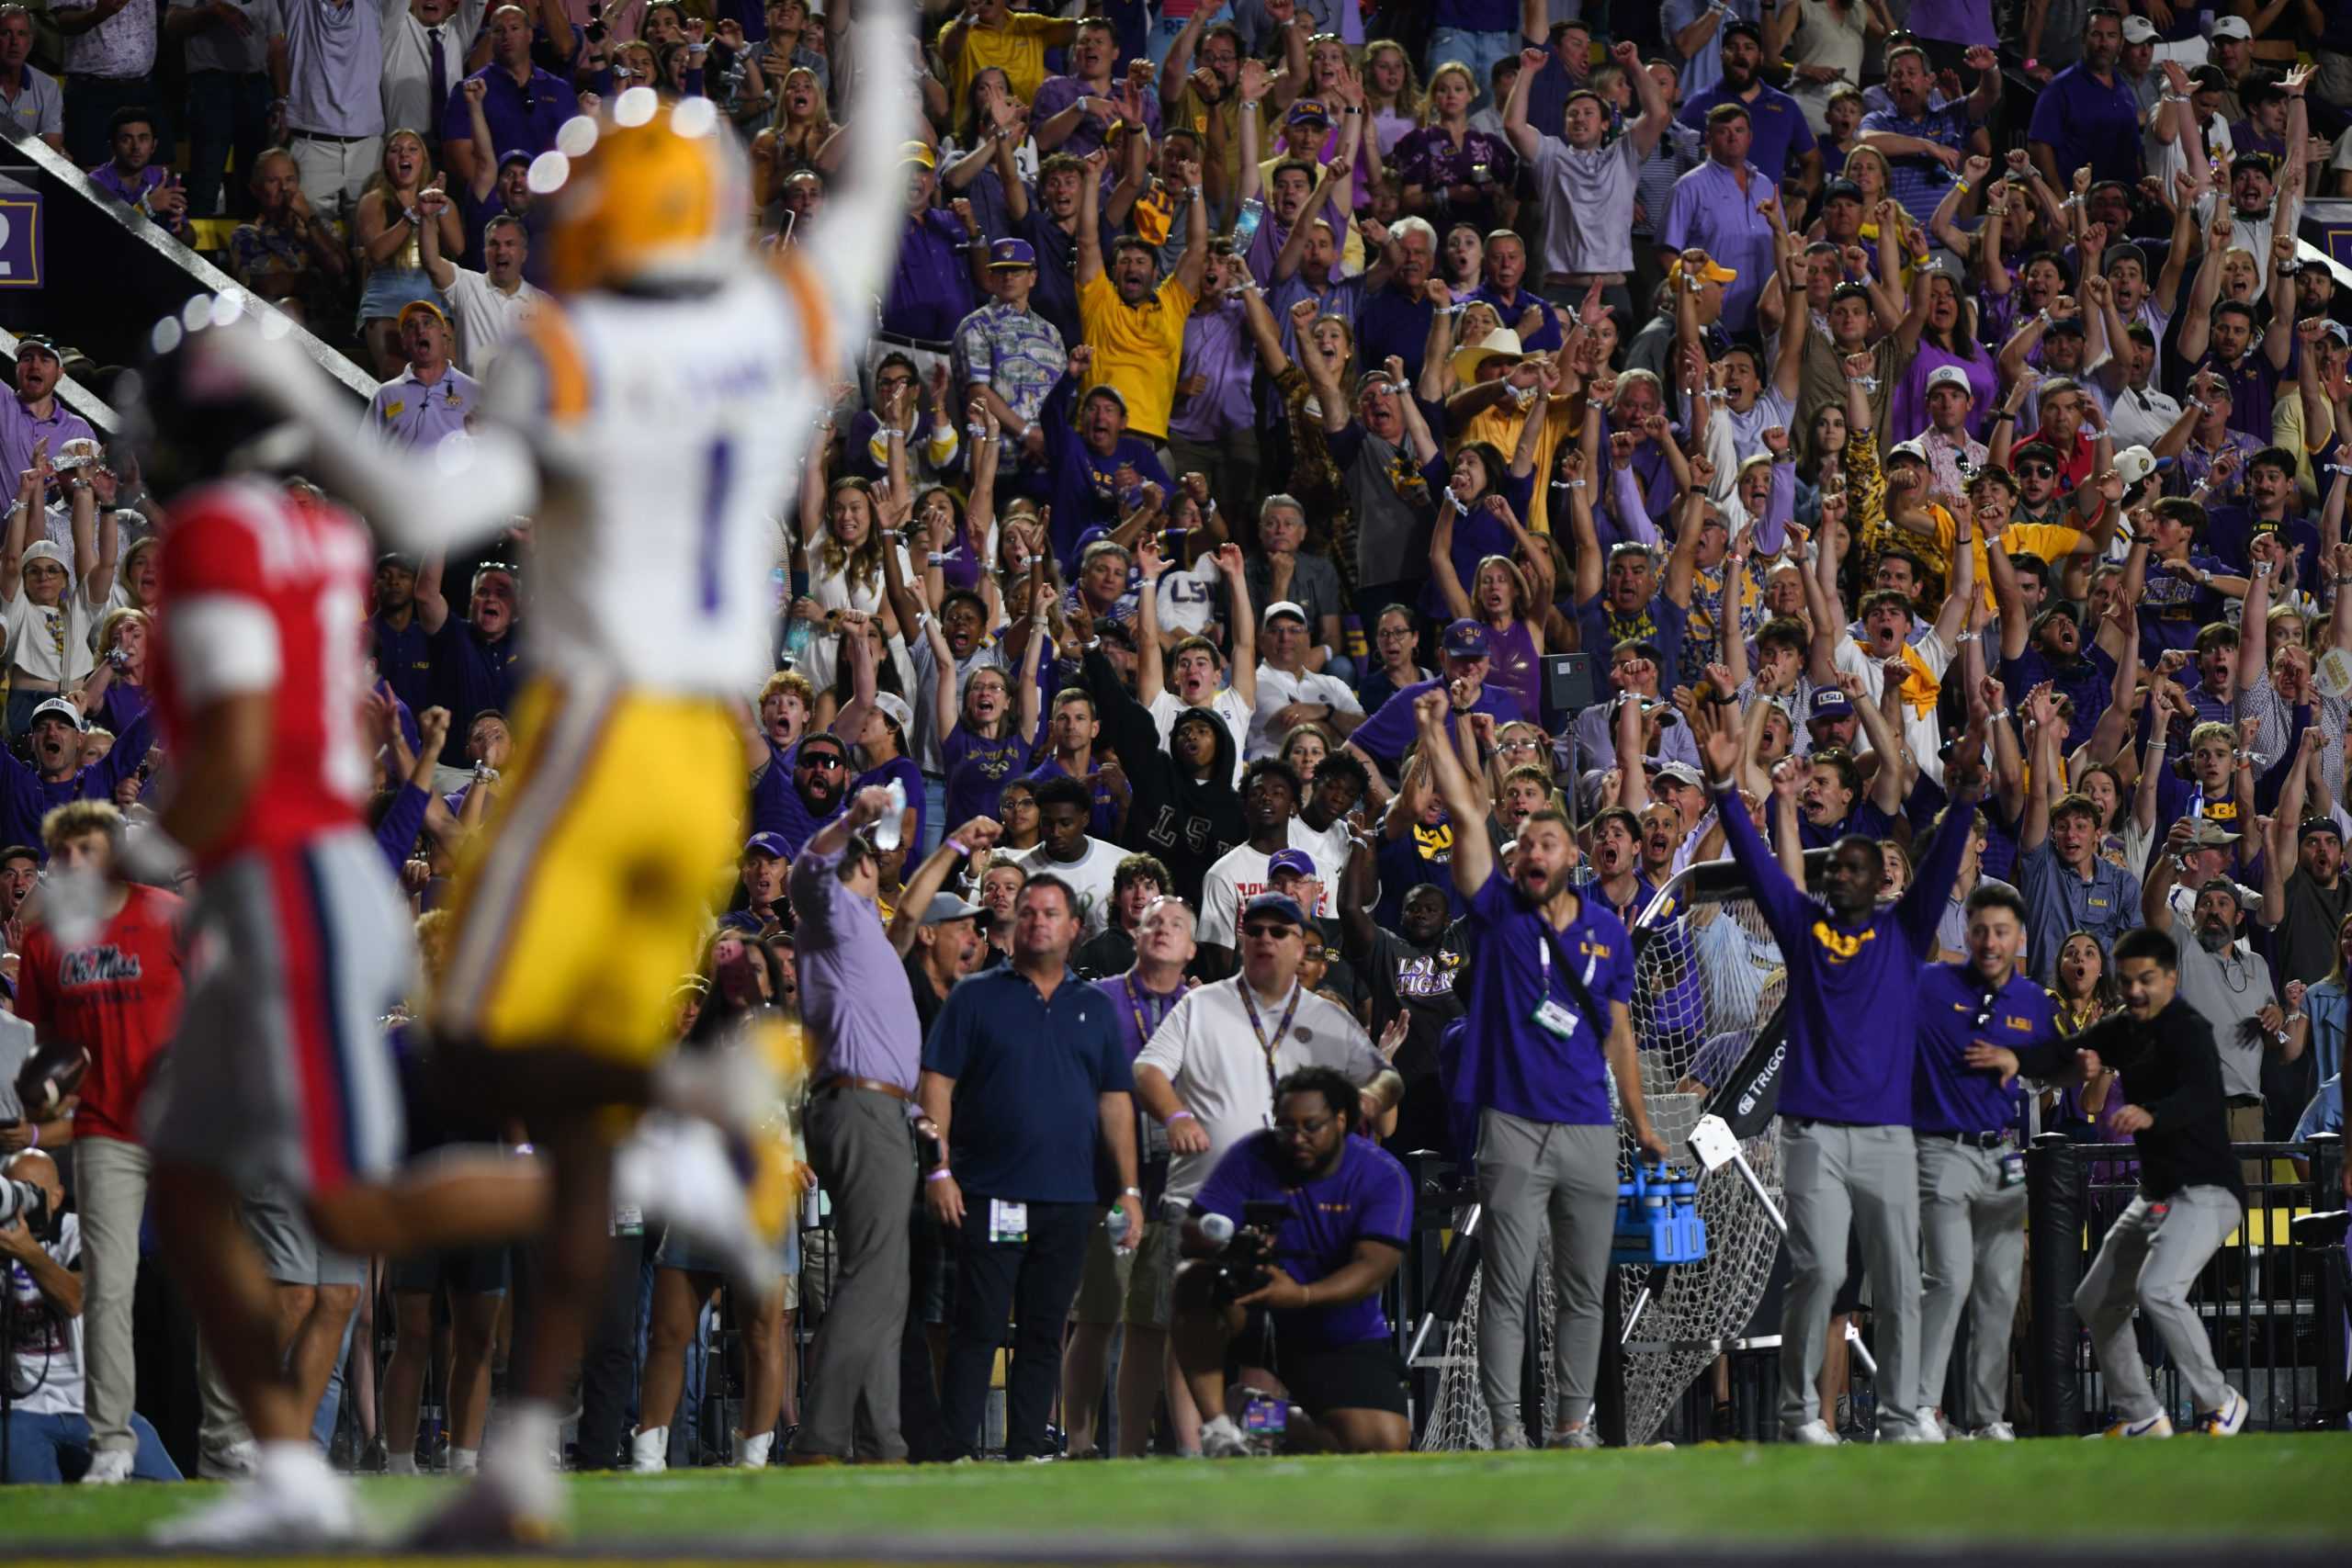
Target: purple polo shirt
(1058, 93)
(521, 113)
(1367, 1198)
(1218, 345)
(1545, 339)
(1138, 1009)
(1509, 1061)
(1780, 127)
(1711, 211)
(20, 428)
(407, 411)
(853, 993)
(930, 288)
(2085, 120)
(109, 178)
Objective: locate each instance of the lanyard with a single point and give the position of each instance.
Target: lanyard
(1145, 1030)
(1250, 1005)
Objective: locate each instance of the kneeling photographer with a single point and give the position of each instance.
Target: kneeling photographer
(1292, 1239)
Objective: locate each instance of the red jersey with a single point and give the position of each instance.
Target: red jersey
(118, 996)
(265, 592)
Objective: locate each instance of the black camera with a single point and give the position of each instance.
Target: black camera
(1244, 1263)
(23, 1200)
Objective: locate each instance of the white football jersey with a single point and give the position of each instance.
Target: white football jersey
(670, 432)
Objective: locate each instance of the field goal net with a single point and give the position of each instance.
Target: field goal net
(1707, 978)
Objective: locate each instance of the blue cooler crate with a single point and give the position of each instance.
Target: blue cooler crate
(1658, 1220)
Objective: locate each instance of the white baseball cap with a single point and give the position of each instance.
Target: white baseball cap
(2139, 30)
(2233, 27)
(1950, 376)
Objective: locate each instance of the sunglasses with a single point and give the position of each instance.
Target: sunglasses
(1269, 931)
(2036, 472)
(821, 760)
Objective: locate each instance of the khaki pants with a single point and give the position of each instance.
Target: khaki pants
(111, 1187)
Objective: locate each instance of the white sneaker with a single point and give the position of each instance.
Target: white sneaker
(516, 1499)
(1221, 1439)
(1814, 1434)
(293, 1499)
(230, 1462)
(2156, 1426)
(1509, 1437)
(2224, 1422)
(683, 1172)
(108, 1466)
(1946, 1431)
(1582, 1437)
(649, 1450)
(1994, 1432)
(751, 1453)
(1923, 1426)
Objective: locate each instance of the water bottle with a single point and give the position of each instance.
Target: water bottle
(1116, 1224)
(1217, 1228)
(886, 832)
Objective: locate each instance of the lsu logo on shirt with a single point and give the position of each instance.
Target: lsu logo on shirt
(1840, 947)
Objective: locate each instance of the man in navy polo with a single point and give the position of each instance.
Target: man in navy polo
(1780, 143)
(475, 656)
(1971, 1179)
(1381, 741)
(1546, 988)
(402, 648)
(1847, 1160)
(525, 105)
(2088, 113)
(1026, 1077)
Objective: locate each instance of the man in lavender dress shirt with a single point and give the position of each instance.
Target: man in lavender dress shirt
(1715, 210)
(860, 1016)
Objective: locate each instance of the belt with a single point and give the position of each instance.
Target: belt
(872, 1086)
(1971, 1139)
(2240, 1101)
(1585, 279)
(323, 135)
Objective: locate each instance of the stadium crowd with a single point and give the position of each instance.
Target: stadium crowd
(1926, 421)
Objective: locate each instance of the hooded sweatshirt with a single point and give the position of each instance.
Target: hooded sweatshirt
(1187, 824)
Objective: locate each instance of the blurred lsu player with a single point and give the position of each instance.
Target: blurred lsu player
(652, 419)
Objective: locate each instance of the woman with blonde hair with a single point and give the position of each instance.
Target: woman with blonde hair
(116, 692)
(386, 224)
(1451, 173)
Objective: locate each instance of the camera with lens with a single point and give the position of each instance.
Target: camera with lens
(1244, 1263)
(23, 1200)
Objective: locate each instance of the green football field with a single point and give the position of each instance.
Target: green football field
(2251, 1494)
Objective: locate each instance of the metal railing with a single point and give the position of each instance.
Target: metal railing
(2271, 1298)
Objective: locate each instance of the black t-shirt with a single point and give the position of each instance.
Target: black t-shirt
(2172, 1070)
(928, 1002)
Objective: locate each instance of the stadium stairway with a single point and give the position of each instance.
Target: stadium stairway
(108, 272)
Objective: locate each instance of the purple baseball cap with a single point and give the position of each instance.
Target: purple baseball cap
(1298, 860)
(1466, 639)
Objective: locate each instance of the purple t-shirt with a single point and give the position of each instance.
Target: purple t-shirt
(1367, 1198)
(1102, 822)
(1954, 21)
(1509, 1061)
(776, 807)
(977, 769)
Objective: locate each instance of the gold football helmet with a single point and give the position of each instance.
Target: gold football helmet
(651, 193)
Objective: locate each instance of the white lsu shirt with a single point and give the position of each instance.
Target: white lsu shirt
(669, 431)
(1167, 708)
(1213, 1058)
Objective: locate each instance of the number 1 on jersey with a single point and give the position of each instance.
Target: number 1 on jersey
(717, 479)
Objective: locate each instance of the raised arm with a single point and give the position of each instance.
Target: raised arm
(1474, 855)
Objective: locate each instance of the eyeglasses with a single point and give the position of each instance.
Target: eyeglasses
(1311, 1127)
(1270, 930)
(1522, 744)
(821, 760)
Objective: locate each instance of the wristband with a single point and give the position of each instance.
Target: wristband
(2344, 582)
(1180, 1116)
(1999, 717)
(1130, 1191)
(1962, 185)
(2000, 414)
(939, 1175)
(960, 847)
(34, 1128)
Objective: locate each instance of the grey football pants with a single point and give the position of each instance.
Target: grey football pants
(1835, 1178)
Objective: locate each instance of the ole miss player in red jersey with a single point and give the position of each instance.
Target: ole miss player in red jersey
(299, 942)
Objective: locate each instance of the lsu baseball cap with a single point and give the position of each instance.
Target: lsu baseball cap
(1295, 861)
(1713, 271)
(60, 707)
(916, 152)
(1013, 252)
(1308, 111)
(896, 706)
(1466, 639)
(769, 844)
(1276, 906)
(413, 306)
(1828, 702)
